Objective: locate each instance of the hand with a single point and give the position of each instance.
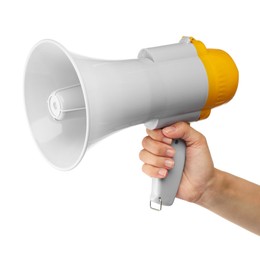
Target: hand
(229, 196)
(158, 158)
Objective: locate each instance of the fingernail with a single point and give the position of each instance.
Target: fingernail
(167, 140)
(169, 129)
(169, 163)
(170, 152)
(162, 172)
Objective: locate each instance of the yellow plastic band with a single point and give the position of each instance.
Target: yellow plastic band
(222, 76)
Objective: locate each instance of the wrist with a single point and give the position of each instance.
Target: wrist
(215, 187)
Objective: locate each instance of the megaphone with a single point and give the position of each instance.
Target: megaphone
(73, 101)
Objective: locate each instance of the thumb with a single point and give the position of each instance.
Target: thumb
(185, 132)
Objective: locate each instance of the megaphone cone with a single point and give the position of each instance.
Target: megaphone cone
(50, 68)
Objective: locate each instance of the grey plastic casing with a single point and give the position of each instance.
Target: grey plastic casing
(164, 190)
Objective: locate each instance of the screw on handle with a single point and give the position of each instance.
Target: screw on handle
(165, 190)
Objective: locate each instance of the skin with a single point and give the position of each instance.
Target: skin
(231, 197)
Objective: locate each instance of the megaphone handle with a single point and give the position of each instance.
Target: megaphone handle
(164, 190)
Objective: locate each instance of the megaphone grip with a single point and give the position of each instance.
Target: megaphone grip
(165, 190)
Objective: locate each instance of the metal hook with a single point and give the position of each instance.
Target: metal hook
(160, 205)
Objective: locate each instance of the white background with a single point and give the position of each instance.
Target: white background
(100, 210)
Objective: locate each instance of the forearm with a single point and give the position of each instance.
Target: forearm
(235, 199)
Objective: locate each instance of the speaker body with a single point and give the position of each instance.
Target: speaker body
(163, 85)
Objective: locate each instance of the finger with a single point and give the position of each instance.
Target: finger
(157, 148)
(158, 135)
(157, 161)
(154, 172)
(183, 131)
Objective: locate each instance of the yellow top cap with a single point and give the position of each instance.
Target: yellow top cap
(222, 76)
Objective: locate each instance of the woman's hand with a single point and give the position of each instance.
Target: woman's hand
(158, 158)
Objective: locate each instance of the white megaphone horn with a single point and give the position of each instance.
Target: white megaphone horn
(73, 101)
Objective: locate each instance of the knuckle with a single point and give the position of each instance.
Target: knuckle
(181, 124)
(151, 133)
(148, 131)
(202, 139)
(148, 170)
(144, 168)
(145, 141)
(141, 155)
(154, 134)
